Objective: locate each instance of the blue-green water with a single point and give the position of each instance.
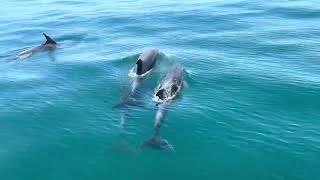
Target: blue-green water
(250, 111)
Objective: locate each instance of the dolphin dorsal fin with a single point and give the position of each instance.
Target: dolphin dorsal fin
(139, 67)
(49, 39)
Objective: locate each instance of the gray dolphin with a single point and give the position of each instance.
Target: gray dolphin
(144, 64)
(166, 92)
(49, 45)
(146, 61)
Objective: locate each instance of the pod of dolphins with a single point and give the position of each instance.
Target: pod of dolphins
(165, 93)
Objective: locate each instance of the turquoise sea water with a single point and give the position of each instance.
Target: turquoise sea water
(251, 109)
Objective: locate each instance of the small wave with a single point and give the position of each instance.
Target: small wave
(294, 13)
(19, 76)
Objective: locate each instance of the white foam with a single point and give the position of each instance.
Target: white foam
(167, 95)
(132, 73)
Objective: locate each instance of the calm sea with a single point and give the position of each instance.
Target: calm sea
(250, 110)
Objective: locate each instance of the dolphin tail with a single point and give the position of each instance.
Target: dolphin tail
(49, 39)
(157, 142)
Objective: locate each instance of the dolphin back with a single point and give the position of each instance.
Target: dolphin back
(148, 60)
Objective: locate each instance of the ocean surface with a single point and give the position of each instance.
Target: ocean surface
(250, 109)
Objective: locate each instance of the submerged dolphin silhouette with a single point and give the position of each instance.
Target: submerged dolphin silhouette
(157, 142)
(49, 45)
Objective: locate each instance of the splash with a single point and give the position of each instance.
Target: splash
(167, 93)
(132, 73)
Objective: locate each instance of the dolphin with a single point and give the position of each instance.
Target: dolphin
(165, 93)
(146, 61)
(49, 45)
(144, 64)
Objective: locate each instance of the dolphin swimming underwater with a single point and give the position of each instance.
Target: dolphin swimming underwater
(156, 141)
(49, 45)
(145, 63)
(169, 88)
